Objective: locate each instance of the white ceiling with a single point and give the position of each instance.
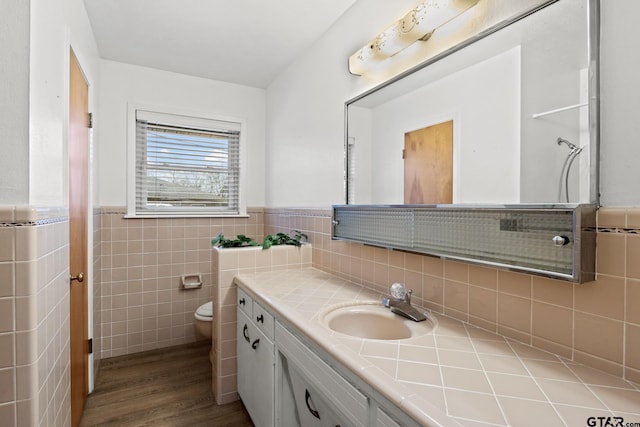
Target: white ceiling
(239, 41)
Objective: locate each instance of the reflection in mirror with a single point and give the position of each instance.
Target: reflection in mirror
(520, 106)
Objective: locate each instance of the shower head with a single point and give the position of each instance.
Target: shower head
(566, 167)
(569, 144)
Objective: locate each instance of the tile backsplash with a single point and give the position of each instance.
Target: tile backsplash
(595, 323)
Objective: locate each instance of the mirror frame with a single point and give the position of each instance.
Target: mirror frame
(593, 52)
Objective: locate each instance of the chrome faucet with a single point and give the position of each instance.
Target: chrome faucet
(400, 303)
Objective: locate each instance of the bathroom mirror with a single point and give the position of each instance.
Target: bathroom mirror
(514, 105)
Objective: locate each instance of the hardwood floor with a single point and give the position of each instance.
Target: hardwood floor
(164, 387)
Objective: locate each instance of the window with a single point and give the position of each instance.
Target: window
(184, 166)
(351, 170)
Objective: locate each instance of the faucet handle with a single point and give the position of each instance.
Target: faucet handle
(407, 297)
(398, 291)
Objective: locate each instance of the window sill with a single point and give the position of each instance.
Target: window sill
(197, 215)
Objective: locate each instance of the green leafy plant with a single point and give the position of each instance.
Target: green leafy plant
(283, 239)
(240, 242)
(243, 241)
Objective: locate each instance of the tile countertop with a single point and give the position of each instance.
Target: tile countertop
(473, 376)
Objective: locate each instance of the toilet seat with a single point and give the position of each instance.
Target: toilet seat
(205, 312)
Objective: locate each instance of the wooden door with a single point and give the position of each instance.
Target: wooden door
(78, 211)
(428, 165)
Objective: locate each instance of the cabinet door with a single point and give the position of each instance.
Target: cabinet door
(286, 413)
(384, 420)
(245, 363)
(313, 409)
(255, 353)
(263, 320)
(340, 395)
(331, 418)
(262, 379)
(245, 303)
(305, 399)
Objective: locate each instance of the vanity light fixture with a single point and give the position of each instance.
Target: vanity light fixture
(418, 24)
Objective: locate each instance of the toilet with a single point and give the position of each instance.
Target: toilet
(204, 317)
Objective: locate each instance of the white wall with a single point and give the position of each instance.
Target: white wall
(14, 102)
(36, 37)
(124, 83)
(305, 104)
(486, 162)
(55, 27)
(305, 109)
(620, 104)
(305, 135)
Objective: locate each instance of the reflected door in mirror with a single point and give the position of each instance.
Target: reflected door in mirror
(428, 165)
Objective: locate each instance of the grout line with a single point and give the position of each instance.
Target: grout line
(573, 323)
(444, 395)
(588, 388)
(478, 422)
(486, 376)
(536, 383)
(632, 386)
(625, 324)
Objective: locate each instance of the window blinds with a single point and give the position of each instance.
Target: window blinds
(186, 165)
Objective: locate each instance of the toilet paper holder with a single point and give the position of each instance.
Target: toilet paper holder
(191, 281)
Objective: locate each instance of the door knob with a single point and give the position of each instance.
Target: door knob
(560, 240)
(79, 277)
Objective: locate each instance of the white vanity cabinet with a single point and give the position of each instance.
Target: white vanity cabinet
(322, 396)
(287, 382)
(384, 420)
(312, 406)
(255, 352)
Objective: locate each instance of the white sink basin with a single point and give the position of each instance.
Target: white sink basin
(372, 320)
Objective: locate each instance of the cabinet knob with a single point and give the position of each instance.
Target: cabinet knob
(244, 332)
(307, 397)
(260, 318)
(242, 301)
(254, 345)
